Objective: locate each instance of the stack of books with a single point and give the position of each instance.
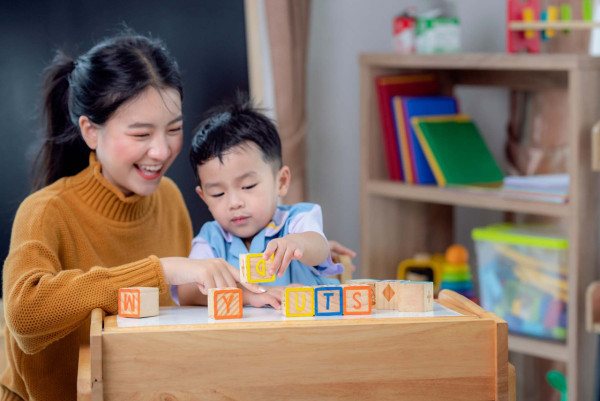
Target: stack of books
(545, 187)
(425, 140)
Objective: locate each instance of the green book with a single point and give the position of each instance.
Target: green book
(456, 151)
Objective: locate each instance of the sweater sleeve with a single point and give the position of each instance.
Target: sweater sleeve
(44, 302)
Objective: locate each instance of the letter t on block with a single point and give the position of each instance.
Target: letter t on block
(225, 303)
(138, 302)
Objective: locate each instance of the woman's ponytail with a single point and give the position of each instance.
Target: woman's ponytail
(63, 151)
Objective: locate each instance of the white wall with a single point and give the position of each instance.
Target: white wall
(341, 30)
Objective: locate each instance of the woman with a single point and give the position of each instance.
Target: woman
(101, 220)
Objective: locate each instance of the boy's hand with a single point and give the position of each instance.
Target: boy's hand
(285, 250)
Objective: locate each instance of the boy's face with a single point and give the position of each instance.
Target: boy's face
(241, 191)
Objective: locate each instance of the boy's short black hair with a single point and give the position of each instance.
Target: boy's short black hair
(232, 124)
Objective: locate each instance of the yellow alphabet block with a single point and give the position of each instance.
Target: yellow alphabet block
(254, 269)
(298, 301)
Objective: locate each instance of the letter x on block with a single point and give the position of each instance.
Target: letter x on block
(254, 269)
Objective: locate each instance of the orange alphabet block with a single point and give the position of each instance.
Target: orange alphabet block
(138, 302)
(365, 281)
(254, 269)
(225, 303)
(357, 299)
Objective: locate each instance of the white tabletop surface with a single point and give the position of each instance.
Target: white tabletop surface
(169, 316)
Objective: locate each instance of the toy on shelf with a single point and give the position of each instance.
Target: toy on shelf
(422, 267)
(523, 277)
(456, 274)
(527, 25)
(558, 381)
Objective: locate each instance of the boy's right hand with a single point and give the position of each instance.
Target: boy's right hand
(205, 273)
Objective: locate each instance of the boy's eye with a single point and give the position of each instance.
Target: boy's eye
(217, 195)
(141, 135)
(250, 186)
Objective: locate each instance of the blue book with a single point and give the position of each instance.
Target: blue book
(421, 107)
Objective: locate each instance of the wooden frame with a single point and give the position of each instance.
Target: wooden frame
(388, 208)
(443, 358)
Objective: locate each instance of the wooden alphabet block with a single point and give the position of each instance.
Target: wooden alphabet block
(328, 300)
(298, 301)
(386, 296)
(138, 302)
(415, 296)
(254, 269)
(370, 283)
(225, 303)
(357, 299)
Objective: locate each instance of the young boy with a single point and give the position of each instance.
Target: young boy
(236, 156)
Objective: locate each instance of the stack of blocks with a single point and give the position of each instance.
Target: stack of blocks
(357, 297)
(326, 300)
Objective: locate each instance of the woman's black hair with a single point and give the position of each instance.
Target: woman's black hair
(95, 85)
(232, 124)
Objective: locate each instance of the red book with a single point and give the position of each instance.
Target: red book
(387, 87)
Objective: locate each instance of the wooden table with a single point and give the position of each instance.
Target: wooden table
(417, 358)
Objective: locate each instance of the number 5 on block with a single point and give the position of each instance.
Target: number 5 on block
(254, 269)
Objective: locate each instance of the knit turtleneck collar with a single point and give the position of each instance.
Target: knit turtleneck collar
(105, 198)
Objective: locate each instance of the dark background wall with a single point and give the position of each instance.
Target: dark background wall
(206, 37)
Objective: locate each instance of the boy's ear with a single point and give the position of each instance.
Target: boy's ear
(200, 193)
(284, 176)
(89, 132)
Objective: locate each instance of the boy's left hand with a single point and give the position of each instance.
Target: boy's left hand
(285, 250)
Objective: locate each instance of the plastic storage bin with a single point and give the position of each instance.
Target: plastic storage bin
(523, 277)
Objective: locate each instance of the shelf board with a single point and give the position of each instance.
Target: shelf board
(480, 61)
(551, 350)
(542, 25)
(462, 197)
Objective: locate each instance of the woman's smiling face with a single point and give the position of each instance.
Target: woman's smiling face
(140, 140)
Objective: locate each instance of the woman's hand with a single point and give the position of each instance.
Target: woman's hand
(205, 273)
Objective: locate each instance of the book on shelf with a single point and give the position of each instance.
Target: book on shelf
(422, 107)
(456, 151)
(387, 87)
(542, 187)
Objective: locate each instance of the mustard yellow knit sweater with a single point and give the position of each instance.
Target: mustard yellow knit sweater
(73, 245)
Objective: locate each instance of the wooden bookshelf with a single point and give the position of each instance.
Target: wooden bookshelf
(400, 219)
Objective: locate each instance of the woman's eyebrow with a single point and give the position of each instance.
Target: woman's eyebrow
(150, 125)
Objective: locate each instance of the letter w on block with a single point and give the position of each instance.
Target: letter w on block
(225, 303)
(138, 302)
(253, 268)
(298, 301)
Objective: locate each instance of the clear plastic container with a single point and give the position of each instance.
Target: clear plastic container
(523, 277)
